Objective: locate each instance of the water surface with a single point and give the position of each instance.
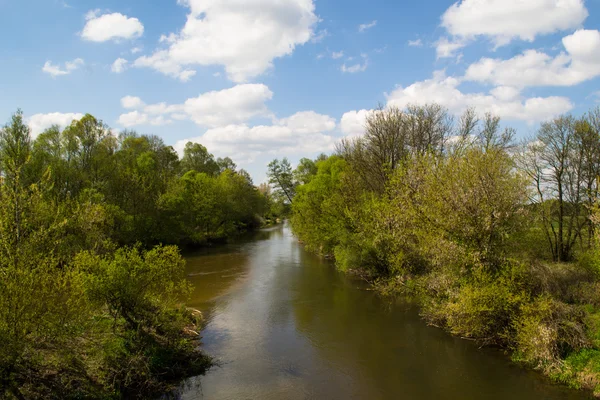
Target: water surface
(284, 324)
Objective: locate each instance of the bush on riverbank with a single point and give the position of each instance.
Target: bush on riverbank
(91, 305)
(497, 241)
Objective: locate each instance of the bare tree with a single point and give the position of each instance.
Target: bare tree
(391, 135)
(564, 162)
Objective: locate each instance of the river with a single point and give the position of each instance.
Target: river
(284, 324)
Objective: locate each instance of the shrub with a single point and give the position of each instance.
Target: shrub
(547, 330)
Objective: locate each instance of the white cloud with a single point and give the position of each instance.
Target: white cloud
(101, 28)
(56, 70)
(217, 108)
(446, 48)
(133, 118)
(353, 123)
(306, 122)
(415, 43)
(580, 63)
(160, 120)
(244, 38)
(365, 27)
(162, 108)
(132, 102)
(120, 65)
(335, 55)
(40, 122)
(179, 116)
(136, 50)
(163, 62)
(354, 68)
(170, 38)
(505, 20)
(505, 102)
(301, 133)
(229, 106)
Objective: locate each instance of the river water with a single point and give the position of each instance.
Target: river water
(284, 324)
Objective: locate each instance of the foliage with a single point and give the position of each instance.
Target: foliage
(282, 178)
(135, 286)
(81, 314)
(467, 221)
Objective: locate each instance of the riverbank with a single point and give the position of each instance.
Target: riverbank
(283, 323)
(553, 329)
(493, 249)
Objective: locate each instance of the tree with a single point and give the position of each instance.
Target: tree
(15, 153)
(305, 170)
(226, 164)
(197, 158)
(41, 307)
(391, 135)
(318, 210)
(281, 178)
(15, 149)
(564, 163)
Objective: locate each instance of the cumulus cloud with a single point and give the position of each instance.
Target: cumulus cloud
(40, 122)
(228, 106)
(415, 43)
(446, 48)
(244, 39)
(120, 65)
(302, 133)
(211, 109)
(353, 123)
(133, 118)
(579, 63)
(505, 20)
(132, 102)
(115, 26)
(337, 54)
(57, 70)
(163, 62)
(505, 102)
(309, 122)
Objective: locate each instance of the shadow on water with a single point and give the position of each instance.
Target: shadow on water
(284, 324)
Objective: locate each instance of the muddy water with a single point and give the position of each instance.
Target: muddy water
(285, 325)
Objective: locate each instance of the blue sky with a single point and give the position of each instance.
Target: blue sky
(259, 79)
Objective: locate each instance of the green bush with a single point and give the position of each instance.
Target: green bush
(547, 331)
(484, 305)
(135, 285)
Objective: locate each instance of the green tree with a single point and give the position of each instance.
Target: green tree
(197, 158)
(281, 177)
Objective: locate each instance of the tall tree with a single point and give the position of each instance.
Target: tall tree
(197, 158)
(281, 176)
(564, 163)
(15, 153)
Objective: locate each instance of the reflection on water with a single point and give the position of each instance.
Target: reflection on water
(285, 325)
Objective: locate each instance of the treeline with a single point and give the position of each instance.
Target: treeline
(151, 196)
(497, 239)
(88, 307)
